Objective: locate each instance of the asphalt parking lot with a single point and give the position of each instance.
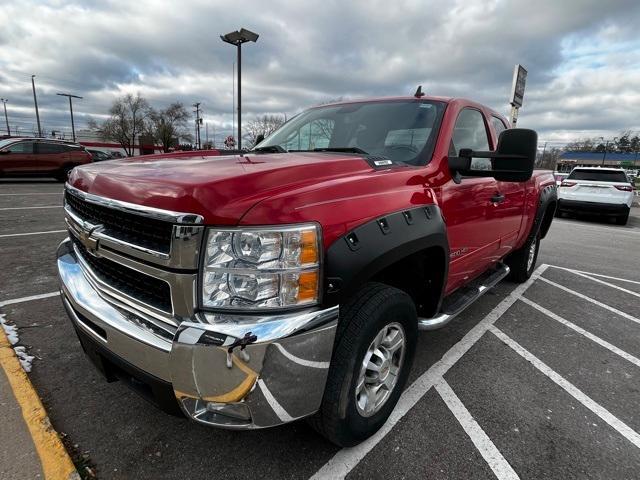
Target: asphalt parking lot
(540, 380)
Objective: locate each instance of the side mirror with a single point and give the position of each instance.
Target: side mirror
(4, 152)
(259, 139)
(513, 160)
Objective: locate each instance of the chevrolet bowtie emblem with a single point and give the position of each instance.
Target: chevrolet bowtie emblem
(86, 238)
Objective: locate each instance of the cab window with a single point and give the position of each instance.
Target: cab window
(470, 131)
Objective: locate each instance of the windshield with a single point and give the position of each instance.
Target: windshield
(400, 130)
(598, 175)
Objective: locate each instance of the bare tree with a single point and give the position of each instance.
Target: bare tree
(169, 125)
(264, 125)
(128, 120)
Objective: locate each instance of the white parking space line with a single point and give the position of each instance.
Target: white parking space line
(589, 299)
(28, 194)
(29, 299)
(30, 233)
(301, 361)
(591, 274)
(602, 282)
(622, 428)
(29, 208)
(346, 459)
(582, 331)
(282, 414)
(480, 439)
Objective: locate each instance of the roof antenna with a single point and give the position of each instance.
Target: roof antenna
(419, 93)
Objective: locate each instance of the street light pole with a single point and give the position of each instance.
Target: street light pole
(240, 96)
(6, 118)
(73, 126)
(237, 38)
(197, 112)
(35, 101)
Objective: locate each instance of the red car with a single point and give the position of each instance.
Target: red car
(251, 290)
(41, 157)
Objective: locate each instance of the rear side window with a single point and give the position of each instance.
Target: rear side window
(44, 147)
(598, 176)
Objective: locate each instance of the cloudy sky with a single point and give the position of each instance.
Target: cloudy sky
(583, 57)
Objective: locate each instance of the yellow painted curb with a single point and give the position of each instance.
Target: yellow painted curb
(56, 463)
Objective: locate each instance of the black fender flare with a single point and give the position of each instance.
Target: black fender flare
(355, 258)
(542, 223)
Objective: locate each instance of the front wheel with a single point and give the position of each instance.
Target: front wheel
(373, 353)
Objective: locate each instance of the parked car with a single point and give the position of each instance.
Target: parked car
(252, 290)
(99, 155)
(596, 190)
(41, 157)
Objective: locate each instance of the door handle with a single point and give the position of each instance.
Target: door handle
(497, 198)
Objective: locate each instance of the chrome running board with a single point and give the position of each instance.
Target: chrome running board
(459, 300)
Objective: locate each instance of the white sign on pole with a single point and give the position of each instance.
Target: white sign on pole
(517, 89)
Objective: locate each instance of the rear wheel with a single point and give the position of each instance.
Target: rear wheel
(372, 356)
(63, 173)
(522, 262)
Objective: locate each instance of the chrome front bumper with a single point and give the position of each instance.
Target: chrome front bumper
(277, 378)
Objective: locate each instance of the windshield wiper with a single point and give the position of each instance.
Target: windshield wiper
(270, 149)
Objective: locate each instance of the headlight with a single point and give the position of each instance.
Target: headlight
(257, 268)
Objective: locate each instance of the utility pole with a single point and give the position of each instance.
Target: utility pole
(35, 101)
(543, 152)
(73, 127)
(206, 125)
(6, 119)
(197, 105)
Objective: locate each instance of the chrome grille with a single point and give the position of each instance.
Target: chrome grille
(144, 288)
(135, 229)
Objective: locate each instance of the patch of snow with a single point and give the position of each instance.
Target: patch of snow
(21, 352)
(10, 330)
(24, 357)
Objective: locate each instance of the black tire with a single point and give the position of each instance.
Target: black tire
(520, 262)
(622, 219)
(362, 318)
(64, 172)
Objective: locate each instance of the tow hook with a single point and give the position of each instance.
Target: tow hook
(248, 338)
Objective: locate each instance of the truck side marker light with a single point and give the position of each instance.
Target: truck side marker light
(307, 286)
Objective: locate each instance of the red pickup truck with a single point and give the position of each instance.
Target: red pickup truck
(251, 290)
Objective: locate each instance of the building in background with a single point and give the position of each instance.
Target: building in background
(569, 160)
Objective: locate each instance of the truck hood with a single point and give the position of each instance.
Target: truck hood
(220, 188)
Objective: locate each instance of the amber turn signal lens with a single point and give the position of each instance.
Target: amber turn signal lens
(307, 286)
(309, 247)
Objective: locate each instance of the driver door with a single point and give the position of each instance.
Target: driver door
(471, 215)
